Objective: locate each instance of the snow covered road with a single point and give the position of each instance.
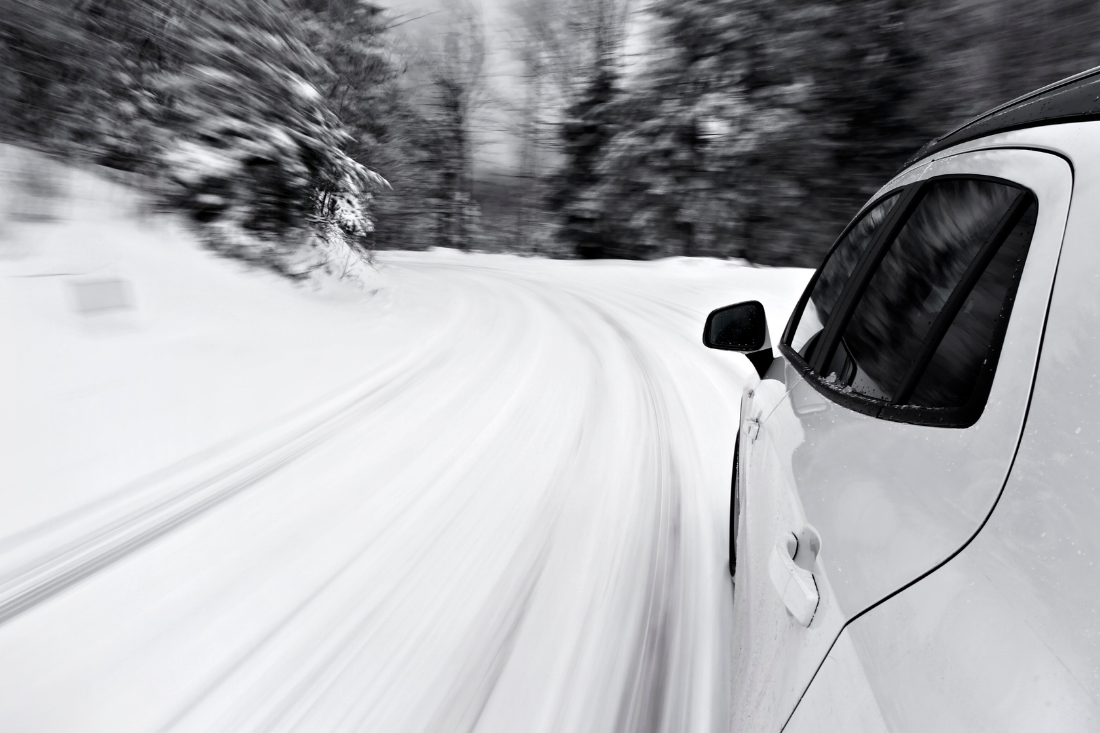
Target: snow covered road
(493, 497)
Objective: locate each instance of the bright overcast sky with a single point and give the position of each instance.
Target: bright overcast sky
(496, 149)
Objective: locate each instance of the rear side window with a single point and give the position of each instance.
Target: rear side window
(923, 325)
(834, 274)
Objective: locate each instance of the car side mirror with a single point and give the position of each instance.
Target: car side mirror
(742, 327)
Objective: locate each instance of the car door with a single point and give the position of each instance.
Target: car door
(878, 462)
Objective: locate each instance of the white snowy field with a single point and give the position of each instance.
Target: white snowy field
(482, 493)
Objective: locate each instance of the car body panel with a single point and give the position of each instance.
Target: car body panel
(954, 652)
(890, 500)
(1006, 636)
(840, 700)
(769, 676)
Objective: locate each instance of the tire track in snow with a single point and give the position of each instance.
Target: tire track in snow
(299, 695)
(58, 568)
(642, 706)
(643, 703)
(472, 603)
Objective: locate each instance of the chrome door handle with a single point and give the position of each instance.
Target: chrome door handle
(796, 585)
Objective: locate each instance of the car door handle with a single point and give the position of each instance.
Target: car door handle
(796, 585)
(752, 427)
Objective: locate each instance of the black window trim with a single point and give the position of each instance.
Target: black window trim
(954, 417)
(796, 315)
(861, 275)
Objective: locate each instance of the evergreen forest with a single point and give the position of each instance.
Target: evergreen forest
(293, 133)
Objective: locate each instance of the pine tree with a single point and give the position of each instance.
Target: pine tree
(761, 127)
(258, 156)
(679, 176)
(215, 103)
(589, 126)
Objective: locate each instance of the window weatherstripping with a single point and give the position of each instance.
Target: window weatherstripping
(853, 290)
(834, 273)
(796, 327)
(948, 381)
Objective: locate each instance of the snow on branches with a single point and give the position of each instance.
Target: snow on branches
(258, 160)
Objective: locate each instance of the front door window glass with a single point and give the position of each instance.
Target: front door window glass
(922, 268)
(834, 274)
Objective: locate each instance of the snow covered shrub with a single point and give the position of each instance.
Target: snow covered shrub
(257, 162)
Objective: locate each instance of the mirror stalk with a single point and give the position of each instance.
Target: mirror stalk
(762, 360)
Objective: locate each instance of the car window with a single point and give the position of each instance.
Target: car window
(834, 274)
(920, 271)
(951, 375)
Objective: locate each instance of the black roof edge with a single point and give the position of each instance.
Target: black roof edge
(1073, 99)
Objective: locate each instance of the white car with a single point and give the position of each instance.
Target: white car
(915, 519)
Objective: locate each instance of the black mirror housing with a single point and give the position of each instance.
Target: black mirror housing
(742, 327)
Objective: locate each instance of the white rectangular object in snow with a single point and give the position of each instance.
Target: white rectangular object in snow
(95, 296)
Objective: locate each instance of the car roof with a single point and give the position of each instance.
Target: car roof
(1073, 99)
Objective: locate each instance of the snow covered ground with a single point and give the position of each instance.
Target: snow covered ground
(481, 493)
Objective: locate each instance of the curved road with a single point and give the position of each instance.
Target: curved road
(515, 520)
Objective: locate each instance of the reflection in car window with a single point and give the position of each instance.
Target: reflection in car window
(913, 282)
(950, 377)
(835, 272)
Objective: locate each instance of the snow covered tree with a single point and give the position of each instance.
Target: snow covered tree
(588, 128)
(214, 102)
(682, 173)
(590, 122)
(258, 158)
(758, 127)
(453, 64)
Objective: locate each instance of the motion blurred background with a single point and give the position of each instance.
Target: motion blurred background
(296, 134)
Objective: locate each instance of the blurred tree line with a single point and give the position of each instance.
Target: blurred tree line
(296, 134)
(757, 128)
